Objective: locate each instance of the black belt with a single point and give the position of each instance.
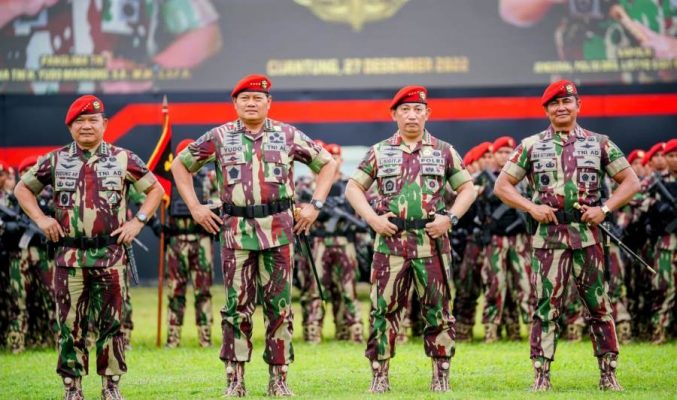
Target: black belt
(567, 217)
(84, 243)
(258, 210)
(409, 224)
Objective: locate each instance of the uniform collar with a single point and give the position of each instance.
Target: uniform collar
(267, 127)
(102, 150)
(550, 133)
(426, 140)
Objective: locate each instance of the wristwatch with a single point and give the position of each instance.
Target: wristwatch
(605, 209)
(453, 218)
(141, 217)
(318, 204)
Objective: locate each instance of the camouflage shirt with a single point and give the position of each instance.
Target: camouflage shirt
(251, 169)
(411, 184)
(90, 196)
(562, 172)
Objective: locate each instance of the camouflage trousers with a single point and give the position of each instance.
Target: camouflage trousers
(32, 297)
(77, 291)
(391, 279)
(507, 268)
(266, 275)
(575, 313)
(191, 258)
(663, 287)
(337, 268)
(5, 296)
(552, 269)
(468, 283)
(311, 303)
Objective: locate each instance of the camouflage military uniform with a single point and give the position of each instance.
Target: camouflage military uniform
(255, 168)
(467, 274)
(506, 264)
(5, 295)
(189, 256)
(411, 184)
(312, 311)
(565, 169)
(663, 283)
(32, 294)
(90, 202)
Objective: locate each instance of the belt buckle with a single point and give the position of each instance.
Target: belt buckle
(260, 210)
(249, 212)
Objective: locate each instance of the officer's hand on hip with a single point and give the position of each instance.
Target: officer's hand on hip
(305, 218)
(592, 215)
(381, 225)
(51, 228)
(206, 218)
(438, 227)
(544, 214)
(128, 231)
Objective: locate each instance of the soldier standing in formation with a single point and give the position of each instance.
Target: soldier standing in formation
(565, 165)
(254, 156)
(506, 269)
(189, 256)
(32, 294)
(90, 179)
(335, 258)
(661, 206)
(412, 247)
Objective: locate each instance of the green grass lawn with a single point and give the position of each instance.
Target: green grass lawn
(334, 370)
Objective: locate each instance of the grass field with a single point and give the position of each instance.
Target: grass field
(338, 370)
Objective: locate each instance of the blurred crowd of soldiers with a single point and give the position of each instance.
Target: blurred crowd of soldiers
(491, 253)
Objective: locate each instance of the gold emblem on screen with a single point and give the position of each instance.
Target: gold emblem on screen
(353, 12)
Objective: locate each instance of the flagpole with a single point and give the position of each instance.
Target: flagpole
(161, 261)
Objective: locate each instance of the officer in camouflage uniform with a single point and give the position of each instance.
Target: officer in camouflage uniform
(662, 210)
(411, 223)
(90, 179)
(254, 157)
(189, 256)
(565, 165)
(336, 259)
(31, 276)
(506, 257)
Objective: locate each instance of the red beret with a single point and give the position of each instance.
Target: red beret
(183, 144)
(27, 163)
(469, 157)
(333, 149)
(503, 141)
(635, 154)
(670, 146)
(320, 143)
(658, 147)
(86, 104)
(481, 149)
(410, 94)
(558, 89)
(252, 83)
